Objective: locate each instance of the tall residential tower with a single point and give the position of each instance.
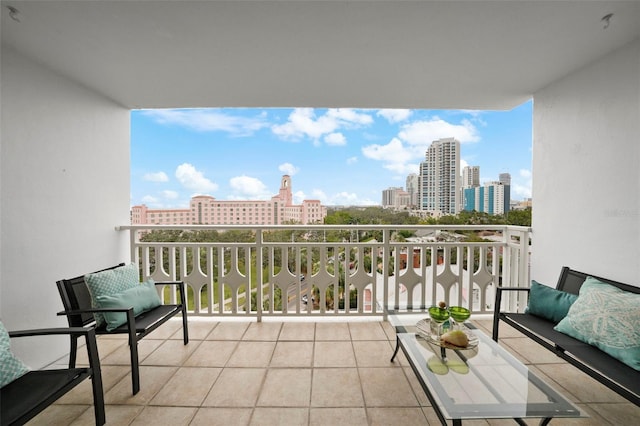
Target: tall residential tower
(440, 177)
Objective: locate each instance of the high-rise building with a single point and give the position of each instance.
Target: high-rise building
(413, 189)
(440, 177)
(206, 210)
(395, 197)
(491, 198)
(389, 196)
(505, 178)
(470, 177)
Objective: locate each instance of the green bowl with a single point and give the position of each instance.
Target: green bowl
(438, 314)
(459, 314)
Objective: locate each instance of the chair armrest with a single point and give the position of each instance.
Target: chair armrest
(501, 289)
(92, 310)
(169, 282)
(51, 331)
(181, 290)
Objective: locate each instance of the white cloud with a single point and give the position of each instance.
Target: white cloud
(403, 153)
(422, 133)
(335, 139)
(463, 164)
(210, 120)
(288, 169)
(394, 115)
(299, 197)
(194, 180)
(153, 202)
(340, 199)
(248, 188)
(349, 199)
(352, 160)
(156, 177)
(395, 155)
(524, 173)
(319, 194)
(521, 186)
(520, 192)
(303, 123)
(393, 152)
(348, 116)
(170, 195)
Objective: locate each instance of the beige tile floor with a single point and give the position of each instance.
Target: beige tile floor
(294, 373)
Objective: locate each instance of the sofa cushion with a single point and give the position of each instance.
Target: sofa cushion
(608, 318)
(109, 282)
(141, 298)
(549, 303)
(11, 368)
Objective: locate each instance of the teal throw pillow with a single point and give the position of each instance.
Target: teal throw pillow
(608, 318)
(110, 282)
(549, 303)
(141, 298)
(11, 368)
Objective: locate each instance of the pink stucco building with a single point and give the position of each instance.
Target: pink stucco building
(206, 210)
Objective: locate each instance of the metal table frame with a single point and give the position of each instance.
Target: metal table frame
(407, 340)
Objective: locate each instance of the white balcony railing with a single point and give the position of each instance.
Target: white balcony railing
(295, 270)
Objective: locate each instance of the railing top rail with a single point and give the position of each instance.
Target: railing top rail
(321, 227)
(322, 243)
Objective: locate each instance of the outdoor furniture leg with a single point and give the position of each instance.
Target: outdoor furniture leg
(396, 351)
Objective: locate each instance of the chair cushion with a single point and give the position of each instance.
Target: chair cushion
(608, 318)
(549, 303)
(11, 368)
(142, 298)
(110, 282)
(34, 388)
(149, 320)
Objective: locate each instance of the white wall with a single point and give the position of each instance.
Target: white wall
(64, 187)
(586, 171)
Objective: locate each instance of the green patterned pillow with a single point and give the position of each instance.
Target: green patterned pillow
(110, 282)
(11, 367)
(608, 318)
(141, 298)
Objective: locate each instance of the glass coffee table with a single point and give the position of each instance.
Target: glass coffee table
(480, 382)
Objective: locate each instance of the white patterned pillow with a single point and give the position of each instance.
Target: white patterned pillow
(11, 367)
(608, 318)
(110, 282)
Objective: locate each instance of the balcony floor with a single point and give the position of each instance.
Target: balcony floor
(294, 373)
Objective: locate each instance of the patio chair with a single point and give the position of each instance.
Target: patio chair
(78, 309)
(25, 397)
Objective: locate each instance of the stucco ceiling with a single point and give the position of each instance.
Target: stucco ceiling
(369, 54)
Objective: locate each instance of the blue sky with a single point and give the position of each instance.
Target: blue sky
(339, 156)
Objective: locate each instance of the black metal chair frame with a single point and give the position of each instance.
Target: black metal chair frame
(27, 396)
(77, 308)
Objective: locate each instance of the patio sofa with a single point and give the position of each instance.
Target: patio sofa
(562, 320)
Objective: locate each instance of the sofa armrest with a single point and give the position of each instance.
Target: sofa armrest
(498, 302)
(181, 289)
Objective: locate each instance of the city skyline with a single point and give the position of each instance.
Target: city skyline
(337, 156)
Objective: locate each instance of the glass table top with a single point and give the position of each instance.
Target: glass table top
(481, 382)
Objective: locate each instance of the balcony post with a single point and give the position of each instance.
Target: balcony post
(260, 271)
